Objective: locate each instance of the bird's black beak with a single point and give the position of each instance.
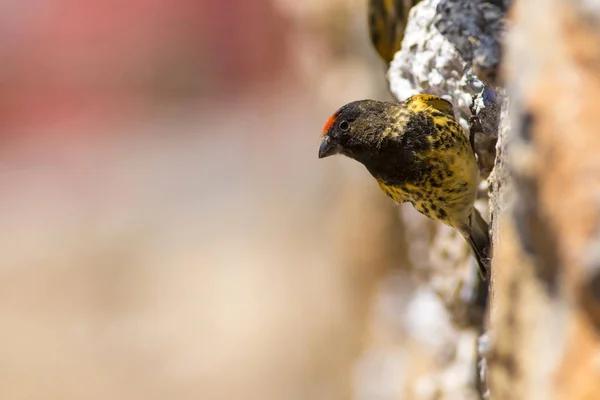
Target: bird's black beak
(328, 148)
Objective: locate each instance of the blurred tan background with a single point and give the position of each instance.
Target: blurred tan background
(166, 230)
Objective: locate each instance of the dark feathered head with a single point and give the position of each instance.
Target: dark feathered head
(356, 129)
(386, 137)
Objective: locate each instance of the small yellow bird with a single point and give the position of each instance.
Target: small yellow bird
(387, 21)
(418, 153)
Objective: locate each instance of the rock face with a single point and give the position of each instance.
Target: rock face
(545, 271)
(475, 29)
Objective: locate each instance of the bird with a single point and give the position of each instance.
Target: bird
(418, 153)
(387, 20)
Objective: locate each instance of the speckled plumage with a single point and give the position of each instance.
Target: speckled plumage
(418, 153)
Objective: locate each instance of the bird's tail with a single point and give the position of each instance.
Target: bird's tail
(479, 239)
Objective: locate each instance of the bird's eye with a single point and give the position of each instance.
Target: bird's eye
(344, 126)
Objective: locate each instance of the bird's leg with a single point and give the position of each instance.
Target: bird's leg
(474, 124)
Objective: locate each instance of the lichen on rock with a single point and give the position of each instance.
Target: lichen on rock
(475, 28)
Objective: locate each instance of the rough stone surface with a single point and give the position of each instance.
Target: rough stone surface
(486, 110)
(475, 28)
(546, 197)
(499, 179)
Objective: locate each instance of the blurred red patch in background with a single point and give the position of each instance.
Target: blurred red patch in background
(81, 63)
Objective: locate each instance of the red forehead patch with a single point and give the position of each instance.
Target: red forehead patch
(329, 123)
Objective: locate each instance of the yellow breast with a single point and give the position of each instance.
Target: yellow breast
(446, 193)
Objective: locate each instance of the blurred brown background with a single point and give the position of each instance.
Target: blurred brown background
(166, 230)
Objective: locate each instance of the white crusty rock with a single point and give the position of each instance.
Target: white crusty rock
(429, 63)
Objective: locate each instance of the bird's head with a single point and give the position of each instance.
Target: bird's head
(356, 130)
